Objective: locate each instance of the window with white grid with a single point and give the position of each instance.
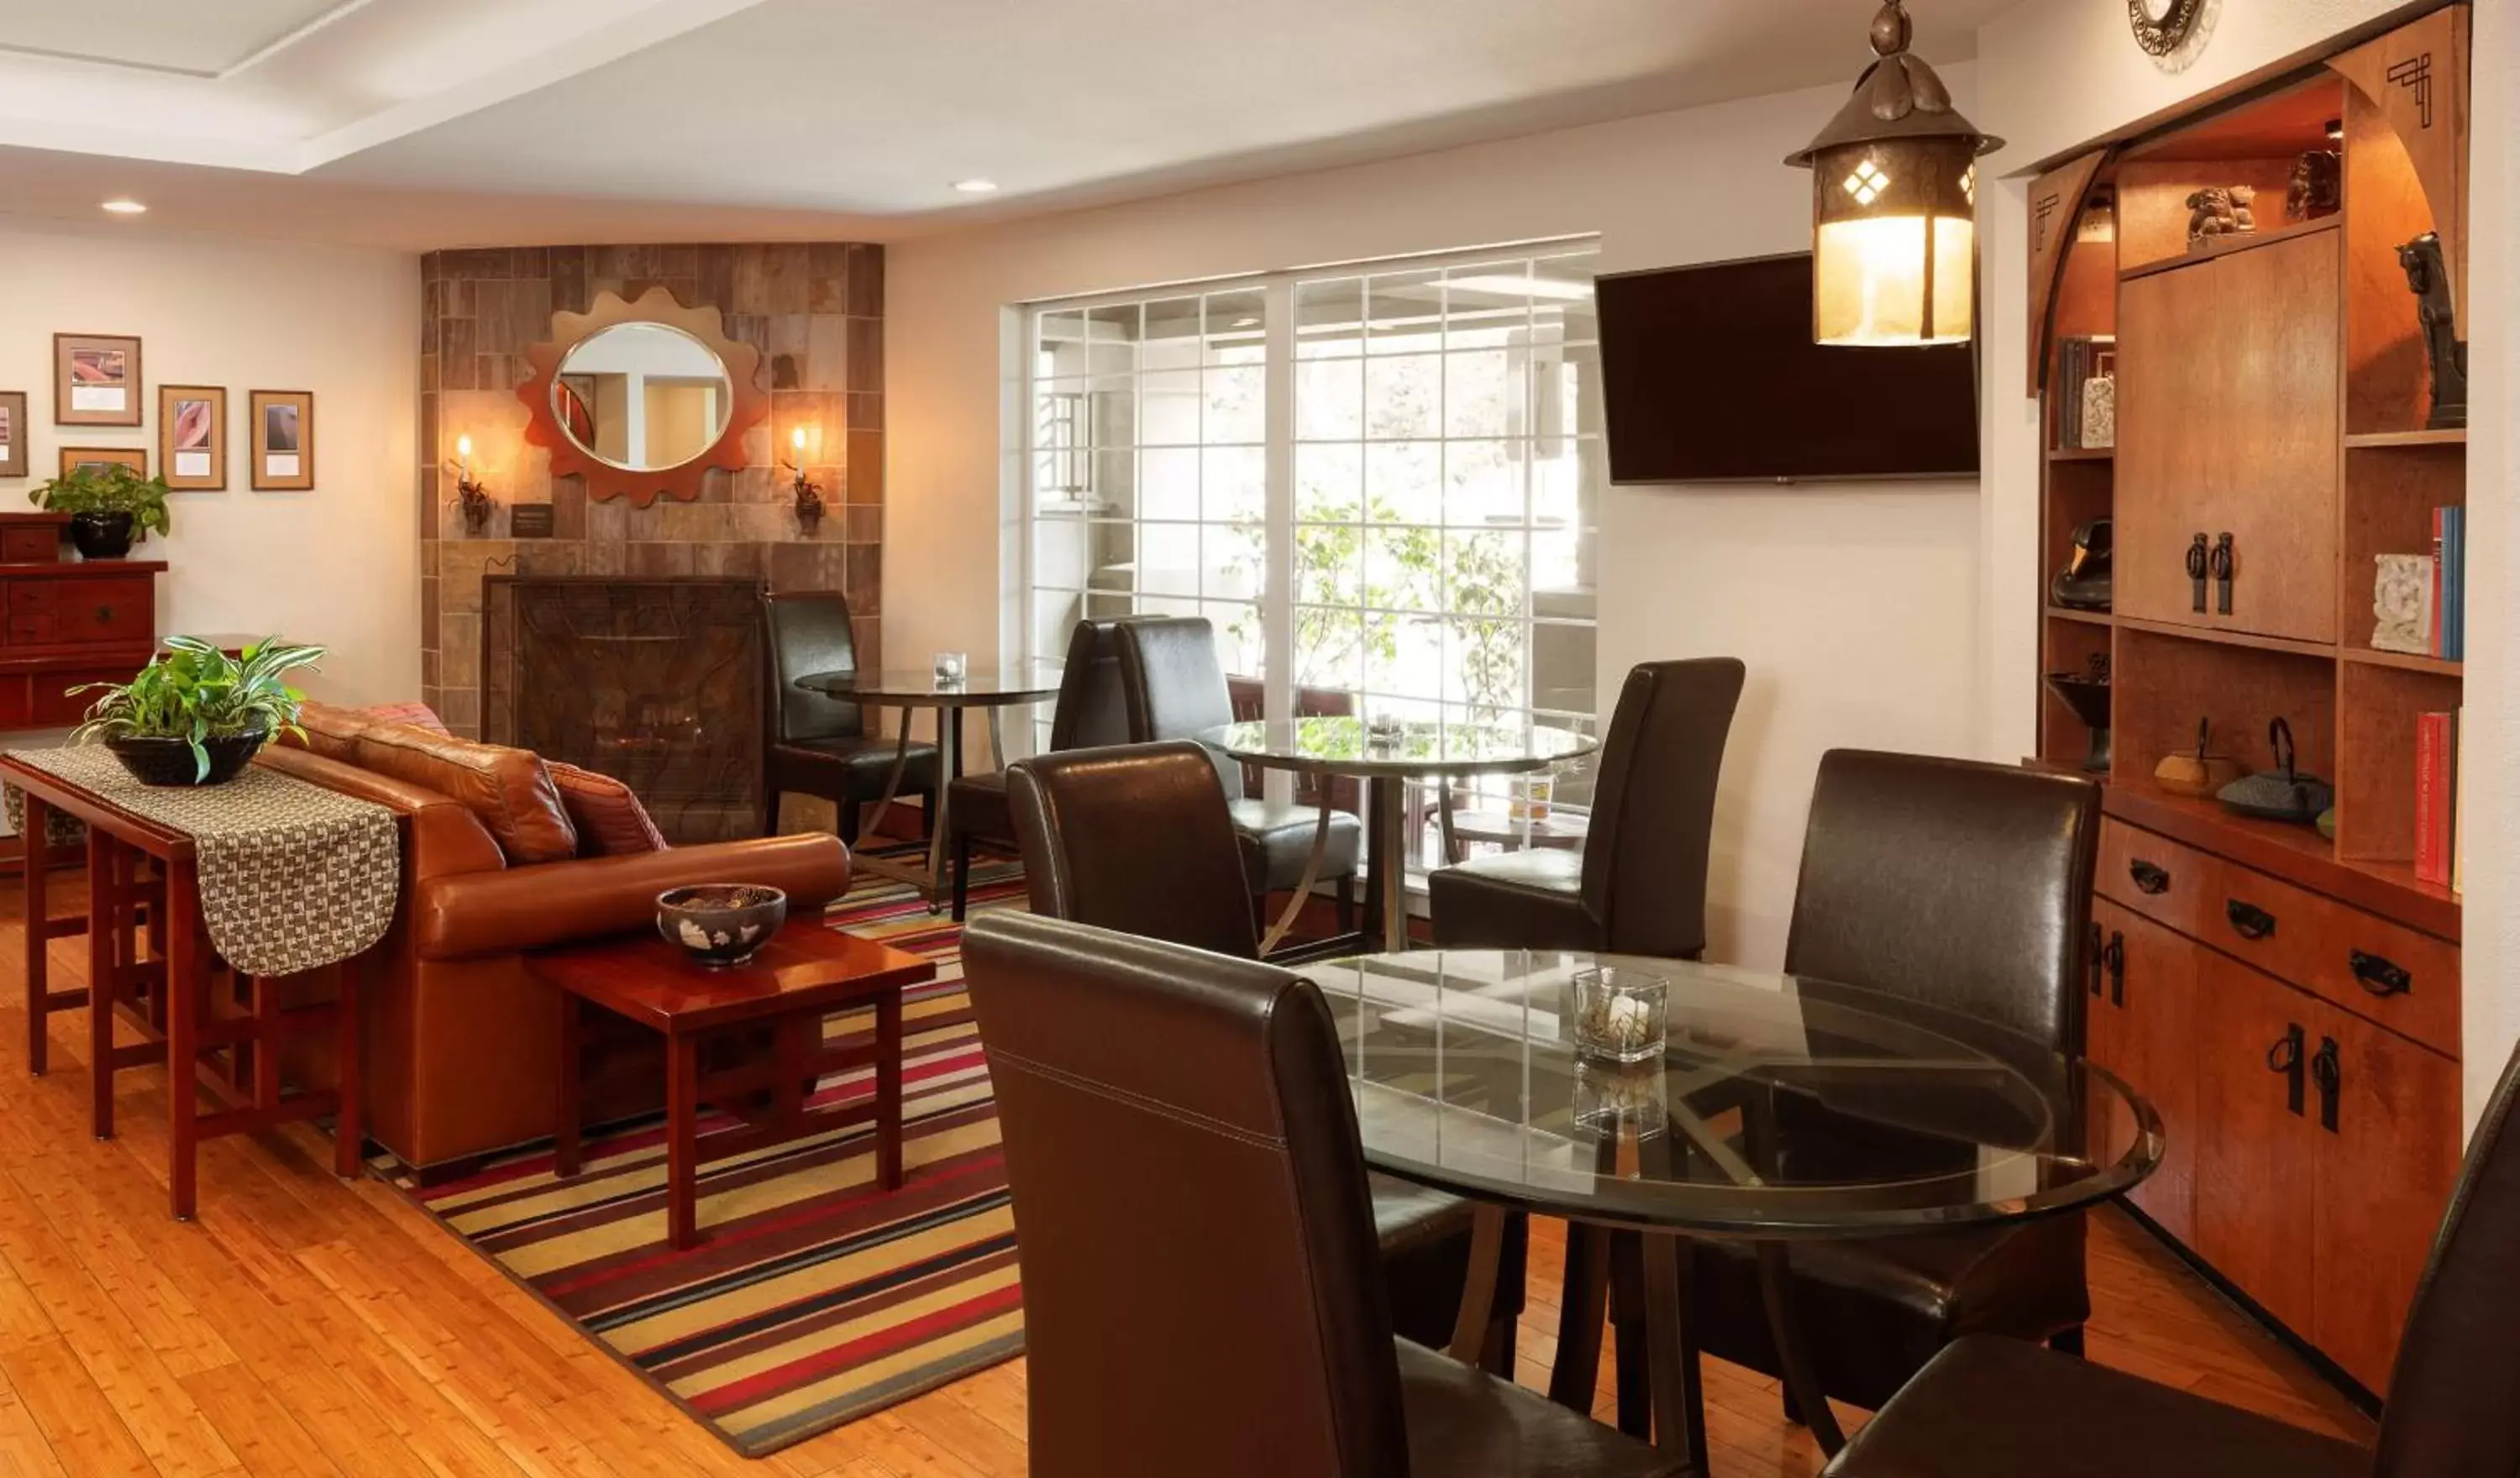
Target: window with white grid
(1380, 483)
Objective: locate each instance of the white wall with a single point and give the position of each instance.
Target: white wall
(1855, 607)
(338, 565)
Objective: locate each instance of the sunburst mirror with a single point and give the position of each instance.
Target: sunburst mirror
(641, 398)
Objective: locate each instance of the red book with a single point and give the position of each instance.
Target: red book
(2432, 798)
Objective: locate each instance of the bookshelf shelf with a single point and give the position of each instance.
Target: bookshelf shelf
(2361, 441)
(2233, 245)
(2085, 617)
(2404, 661)
(2320, 649)
(2081, 452)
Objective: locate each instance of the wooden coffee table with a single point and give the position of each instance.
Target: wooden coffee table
(801, 975)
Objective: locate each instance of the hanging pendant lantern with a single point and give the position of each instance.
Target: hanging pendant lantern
(1893, 204)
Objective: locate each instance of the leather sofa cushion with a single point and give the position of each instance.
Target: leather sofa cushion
(508, 790)
(416, 715)
(610, 820)
(333, 733)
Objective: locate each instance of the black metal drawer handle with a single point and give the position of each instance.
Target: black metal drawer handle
(2248, 921)
(2114, 957)
(2325, 1071)
(2285, 1057)
(2379, 975)
(2150, 877)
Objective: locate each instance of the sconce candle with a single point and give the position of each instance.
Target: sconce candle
(809, 496)
(474, 500)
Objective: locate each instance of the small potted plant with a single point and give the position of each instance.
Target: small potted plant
(194, 715)
(110, 506)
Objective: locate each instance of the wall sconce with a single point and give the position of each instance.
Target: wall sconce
(809, 496)
(476, 500)
(1893, 204)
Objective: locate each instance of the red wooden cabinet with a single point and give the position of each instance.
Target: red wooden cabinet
(65, 621)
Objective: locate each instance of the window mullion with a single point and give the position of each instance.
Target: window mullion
(1277, 561)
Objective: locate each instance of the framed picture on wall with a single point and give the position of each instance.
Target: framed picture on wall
(284, 440)
(96, 379)
(76, 458)
(192, 436)
(13, 433)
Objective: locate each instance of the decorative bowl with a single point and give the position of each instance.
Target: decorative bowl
(720, 924)
(161, 761)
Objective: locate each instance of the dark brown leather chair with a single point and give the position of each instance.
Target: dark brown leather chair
(819, 744)
(1202, 1294)
(1176, 690)
(1965, 887)
(1995, 1407)
(1091, 710)
(1137, 839)
(1640, 886)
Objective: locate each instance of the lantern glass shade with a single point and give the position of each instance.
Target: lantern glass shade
(1894, 242)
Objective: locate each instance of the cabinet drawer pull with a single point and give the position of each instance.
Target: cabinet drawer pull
(2114, 957)
(2150, 877)
(2285, 1057)
(2196, 564)
(2379, 975)
(2222, 568)
(2099, 953)
(2325, 1070)
(2248, 921)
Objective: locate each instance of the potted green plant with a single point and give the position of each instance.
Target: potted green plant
(108, 503)
(194, 715)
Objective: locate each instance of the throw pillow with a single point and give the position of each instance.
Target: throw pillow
(610, 820)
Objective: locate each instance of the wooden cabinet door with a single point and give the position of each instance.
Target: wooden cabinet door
(2148, 1001)
(2274, 432)
(2256, 1159)
(2168, 374)
(2385, 1175)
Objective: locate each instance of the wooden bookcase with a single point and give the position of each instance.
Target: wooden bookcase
(2272, 385)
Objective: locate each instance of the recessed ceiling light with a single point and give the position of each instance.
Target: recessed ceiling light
(977, 187)
(125, 208)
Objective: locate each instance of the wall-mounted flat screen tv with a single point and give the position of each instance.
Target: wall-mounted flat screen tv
(1709, 375)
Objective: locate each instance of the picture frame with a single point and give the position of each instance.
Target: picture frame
(96, 379)
(135, 458)
(192, 437)
(284, 440)
(13, 433)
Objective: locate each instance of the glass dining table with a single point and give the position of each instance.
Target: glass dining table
(1385, 756)
(1781, 1110)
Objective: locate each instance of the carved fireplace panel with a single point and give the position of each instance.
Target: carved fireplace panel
(656, 682)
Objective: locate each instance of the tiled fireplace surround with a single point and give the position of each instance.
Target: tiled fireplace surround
(815, 311)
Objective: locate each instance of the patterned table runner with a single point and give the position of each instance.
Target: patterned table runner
(292, 877)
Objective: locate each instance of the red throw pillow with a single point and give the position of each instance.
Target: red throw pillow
(609, 820)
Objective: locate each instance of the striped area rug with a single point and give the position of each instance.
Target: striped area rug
(816, 1299)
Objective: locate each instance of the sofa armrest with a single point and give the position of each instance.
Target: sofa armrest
(562, 902)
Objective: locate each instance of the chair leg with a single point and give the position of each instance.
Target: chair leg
(962, 876)
(2069, 1342)
(1346, 894)
(1793, 1409)
(1632, 1357)
(849, 822)
(1496, 1354)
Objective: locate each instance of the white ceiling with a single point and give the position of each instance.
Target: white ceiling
(439, 122)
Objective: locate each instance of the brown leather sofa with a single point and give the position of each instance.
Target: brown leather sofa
(462, 1041)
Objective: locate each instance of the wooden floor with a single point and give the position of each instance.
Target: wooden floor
(304, 1326)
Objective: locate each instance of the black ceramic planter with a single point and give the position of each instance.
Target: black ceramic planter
(101, 536)
(169, 761)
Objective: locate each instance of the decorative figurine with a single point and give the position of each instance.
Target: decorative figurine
(2084, 583)
(2219, 210)
(2318, 185)
(2428, 278)
(2200, 774)
(2402, 597)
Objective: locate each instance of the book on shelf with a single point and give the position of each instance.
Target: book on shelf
(2080, 360)
(2452, 582)
(2436, 787)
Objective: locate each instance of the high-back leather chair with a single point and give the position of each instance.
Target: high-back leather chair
(1965, 887)
(818, 744)
(1201, 1293)
(1640, 887)
(1139, 840)
(1092, 710)
(1176, 690)
(1985, 1408)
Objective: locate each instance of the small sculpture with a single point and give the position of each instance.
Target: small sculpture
(2200, 774)
(2219, 210)
(2402, 592)
(2086, 582)
(2318, 185)
(2428, 278)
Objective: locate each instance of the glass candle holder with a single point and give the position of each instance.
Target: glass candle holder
(1620, 1013)
(951, 667)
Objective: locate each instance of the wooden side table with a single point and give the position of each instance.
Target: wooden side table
(189, 1005)
(804, 974)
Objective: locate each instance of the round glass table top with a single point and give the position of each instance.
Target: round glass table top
(1348, 746)
(1782, 1106)
(918, 687)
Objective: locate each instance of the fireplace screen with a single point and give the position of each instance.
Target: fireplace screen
(656, 682)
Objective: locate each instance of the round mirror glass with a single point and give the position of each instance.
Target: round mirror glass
(641, 397)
